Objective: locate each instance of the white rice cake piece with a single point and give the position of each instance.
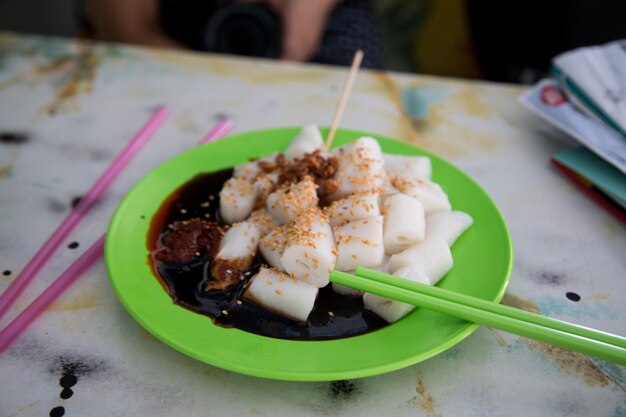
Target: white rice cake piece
(430, 194)
(359, 243)
(239, 242)
(251, 170)
(447, 226)
(358, 206)
(360, 167)
(265, 183)
(236, 253)
(237, 199)
(285, 203)
(310, 252)
(308, 140)
(262, 220)
(278, 292)
(432, 257)
(272, 246)
(345, 290)
(392, 310)
(405, 223)
(411, 166)
(389, 310)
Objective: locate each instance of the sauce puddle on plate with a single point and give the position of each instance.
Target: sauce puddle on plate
(334, 315)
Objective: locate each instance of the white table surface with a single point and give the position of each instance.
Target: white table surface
(67, 108)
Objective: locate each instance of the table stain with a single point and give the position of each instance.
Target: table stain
(78, 80)
(499, 339)
(574, 363)
(20, 411)
(81, 301)
(186, 123)
(55, 205)
(516, 302)
(6, 169)
(423, 399)
(469, 103)
(391, 91)
(571, 362)
(57, 65)
(550, 278)
(57, 412)
(599, 296)
(439, 118)
(342, 390)
(284, 76)
(14, 138)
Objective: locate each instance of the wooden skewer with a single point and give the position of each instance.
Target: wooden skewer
(354, 69)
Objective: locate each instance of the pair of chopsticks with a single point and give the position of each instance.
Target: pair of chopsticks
(95, 251)
(569, 336)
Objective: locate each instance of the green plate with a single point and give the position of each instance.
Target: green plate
(483, 259)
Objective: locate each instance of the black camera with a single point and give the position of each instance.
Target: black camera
(223, 26)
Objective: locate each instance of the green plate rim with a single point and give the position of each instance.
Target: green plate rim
(469, 328)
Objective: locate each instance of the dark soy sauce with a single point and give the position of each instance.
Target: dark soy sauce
(334, 315)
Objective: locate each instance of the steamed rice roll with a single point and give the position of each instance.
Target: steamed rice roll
(345, 290)
(411, 166)
(310, 253)
(278, 292)
(265, 183)
(237, 199)
(358, 206)
(392, 310)
(262, 220)
(250, 170)
(447, 226)
(404, 223)
(236, 253)
(432, 257)
(360, 167)
(430, 194)
(359, 243)
(285, 203)
(308, 140)
(272, 246)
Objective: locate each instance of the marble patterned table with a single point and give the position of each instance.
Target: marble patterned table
(66, 109)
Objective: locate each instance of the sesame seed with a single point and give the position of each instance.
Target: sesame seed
(183, 211)
(224, 312)
(239, 302)
(331, 314)
(197, 254)
(278, 292)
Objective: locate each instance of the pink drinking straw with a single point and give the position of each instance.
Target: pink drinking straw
(29, 272)
(67, 278)
(71, 274)
(222, 127)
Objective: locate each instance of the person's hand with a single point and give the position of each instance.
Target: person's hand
(303, 22)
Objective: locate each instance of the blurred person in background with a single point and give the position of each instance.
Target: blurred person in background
(322, 31)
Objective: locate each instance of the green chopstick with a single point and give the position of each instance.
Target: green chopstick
(492, 307)
(565, 335)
